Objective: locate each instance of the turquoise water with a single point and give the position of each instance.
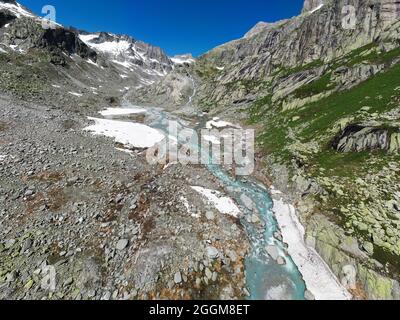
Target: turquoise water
(266, 280)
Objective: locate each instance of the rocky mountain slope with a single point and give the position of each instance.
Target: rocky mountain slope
(322, 90)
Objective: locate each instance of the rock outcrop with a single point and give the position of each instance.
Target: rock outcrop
(311, 38)
(358, 138)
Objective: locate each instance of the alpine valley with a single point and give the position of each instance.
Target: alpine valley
(84, 215)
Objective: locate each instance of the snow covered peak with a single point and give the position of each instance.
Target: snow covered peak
(311, 6)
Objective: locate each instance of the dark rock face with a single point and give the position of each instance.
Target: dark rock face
(66, 41)
(5, 17)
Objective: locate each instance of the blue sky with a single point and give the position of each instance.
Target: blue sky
(178, 26)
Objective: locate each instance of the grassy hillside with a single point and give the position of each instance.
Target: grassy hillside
(360, 187)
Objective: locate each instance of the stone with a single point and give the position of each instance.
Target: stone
(368, 247)
(208, 273)
(27, 244)
(122, 244)
(119, 198)
(11, 276)
(278, 236)
(247, 201)
(29, 193)
(232, 255)
(198, 281)
(68, 282)
(9, 243)
(29, 284)
(255, 218)
(212, 252)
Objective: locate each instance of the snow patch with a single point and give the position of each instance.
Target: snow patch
(319, 279)
(128, 133)
(2, 157)
(75, 94)
(223, 204)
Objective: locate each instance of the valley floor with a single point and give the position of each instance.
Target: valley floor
(111, 225)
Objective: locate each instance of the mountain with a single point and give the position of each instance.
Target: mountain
(322, 91)
(124, 50)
